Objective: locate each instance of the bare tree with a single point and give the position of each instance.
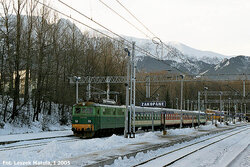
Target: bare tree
(41, 28)
(7, 30)
(29, 41)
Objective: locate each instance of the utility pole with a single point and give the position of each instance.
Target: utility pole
(130, 95)
(108, 88)
(77, 82)
(152, 117)
(126, 130)
(245, 106)
(220, 106)
(199, 106)
(244, 88)
(89, 89)
(243, 100)
(191, 107)
(206, 88)
(177, 103)
(182, 76)
(184, 104)
(148, 87)
(133, 77)
(235, 112)
(229, 113)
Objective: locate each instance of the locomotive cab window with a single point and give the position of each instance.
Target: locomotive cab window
(87, 111)
(77, 110)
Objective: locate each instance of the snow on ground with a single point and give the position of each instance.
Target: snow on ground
(242, 160)
(55, 150)
(221, 125)
(185, 131)
(207, 127)
(34, 128)
(230, 124)
(29, 136)
(220, 154)
(24, 123)
(85, 151)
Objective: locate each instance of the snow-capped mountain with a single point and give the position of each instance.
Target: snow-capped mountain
(234, 65)
(179, 57)
(226, 69)
(177, 51)
(198, 55)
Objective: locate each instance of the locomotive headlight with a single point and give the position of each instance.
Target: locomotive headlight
(76, 121)
(89, 121)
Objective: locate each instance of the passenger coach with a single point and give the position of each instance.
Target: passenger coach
(92, 119)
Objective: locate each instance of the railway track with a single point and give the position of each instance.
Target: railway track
(42, 143)
(171, 157)
(15, 141)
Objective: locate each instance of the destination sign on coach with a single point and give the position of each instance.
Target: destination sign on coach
(154, 104)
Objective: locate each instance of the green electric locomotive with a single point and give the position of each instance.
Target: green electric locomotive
(92, 119)
(95, 119)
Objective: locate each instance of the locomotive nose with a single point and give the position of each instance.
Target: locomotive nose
(82, 127)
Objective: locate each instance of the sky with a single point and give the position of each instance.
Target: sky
(221, 26)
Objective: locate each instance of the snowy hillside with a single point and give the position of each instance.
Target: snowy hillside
(234, 65)
(198, 55)
(190, 60)
(189, 53)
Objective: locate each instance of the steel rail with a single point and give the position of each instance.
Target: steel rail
(203, 147)
(35, 144)
(142, 163)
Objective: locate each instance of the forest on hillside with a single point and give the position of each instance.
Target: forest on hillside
(40, 51)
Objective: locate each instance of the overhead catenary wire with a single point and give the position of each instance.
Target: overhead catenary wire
(135, 17)
(171, 51)
(138, 48)
(166, 46)
(124, 18)
(91, 19)
(68, 16)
